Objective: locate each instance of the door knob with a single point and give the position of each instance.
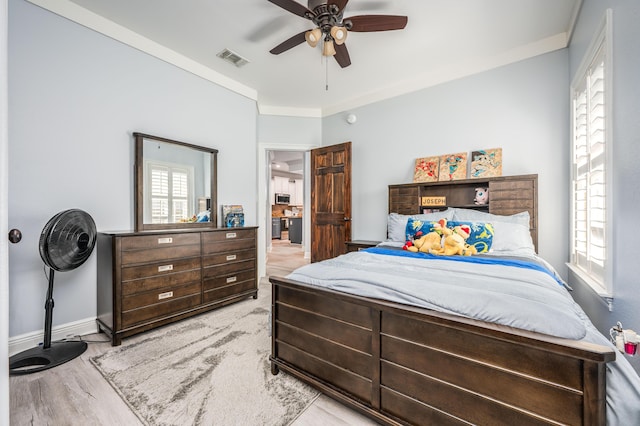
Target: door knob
(15, 236)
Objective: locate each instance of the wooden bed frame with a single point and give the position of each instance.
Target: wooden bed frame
(405, 365)
(399, 364)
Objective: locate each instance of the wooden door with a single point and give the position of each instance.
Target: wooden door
(330, 201)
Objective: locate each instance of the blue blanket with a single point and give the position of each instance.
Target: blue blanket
(517, 263)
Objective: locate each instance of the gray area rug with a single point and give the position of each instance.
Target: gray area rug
(209, 370)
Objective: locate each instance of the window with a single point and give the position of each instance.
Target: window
(590, 168)
(171, 192)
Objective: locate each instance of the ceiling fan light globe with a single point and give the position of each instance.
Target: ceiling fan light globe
(313, 37)
(339, 34)
(329, 49)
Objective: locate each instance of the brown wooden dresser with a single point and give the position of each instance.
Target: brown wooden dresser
(152, 278)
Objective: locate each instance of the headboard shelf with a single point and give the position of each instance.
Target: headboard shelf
(507, 195)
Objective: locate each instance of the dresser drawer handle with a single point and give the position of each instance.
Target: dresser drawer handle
(231, 257)
(166, 295)
(165, 268)
(165, 240)
(231, 235)
(232, 280)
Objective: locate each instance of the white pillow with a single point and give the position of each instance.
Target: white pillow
(521, 218)
(397, 223)
(511, 233)
(511, 237)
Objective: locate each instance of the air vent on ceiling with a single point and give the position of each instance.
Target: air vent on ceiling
(232, 57)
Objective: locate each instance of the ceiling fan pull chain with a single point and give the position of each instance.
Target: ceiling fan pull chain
(326, 75)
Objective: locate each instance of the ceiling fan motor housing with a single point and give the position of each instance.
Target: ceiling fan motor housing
(325, 16)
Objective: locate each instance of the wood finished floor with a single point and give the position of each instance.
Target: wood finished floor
(76, 394)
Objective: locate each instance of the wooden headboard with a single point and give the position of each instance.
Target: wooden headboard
(507, 195)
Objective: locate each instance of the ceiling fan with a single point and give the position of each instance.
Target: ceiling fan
(332, 28)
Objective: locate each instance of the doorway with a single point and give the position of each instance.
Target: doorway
(285, 208)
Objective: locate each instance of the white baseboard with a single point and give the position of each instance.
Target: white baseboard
(26, 341)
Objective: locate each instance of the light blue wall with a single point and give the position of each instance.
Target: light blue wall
(301, 131)
(626, 154)
(522, 108)
(75, 97)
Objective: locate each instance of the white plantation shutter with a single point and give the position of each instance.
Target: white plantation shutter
(180, 194)
(171, 190)
(589, 170)
(159, 194)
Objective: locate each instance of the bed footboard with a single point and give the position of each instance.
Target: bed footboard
(400, 364)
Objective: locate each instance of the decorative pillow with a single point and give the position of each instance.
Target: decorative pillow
(481, 234)
(397, 223)
(415, 225)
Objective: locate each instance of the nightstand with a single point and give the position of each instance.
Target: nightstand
(356, 245)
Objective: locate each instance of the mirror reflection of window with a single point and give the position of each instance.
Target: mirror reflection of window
(172, 192)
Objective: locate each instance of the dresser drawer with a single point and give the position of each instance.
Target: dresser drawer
(228, 235)
(228, 268)
(160, 283)
(160, 254)
(228, 291)
(148, 298)
(229, 257)
(158, 241)
(156, 312)
(155, 248)
(229, 279)
(220, 242)
(160, 269)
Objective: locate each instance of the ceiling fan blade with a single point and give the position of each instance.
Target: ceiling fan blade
(289, 43)
(369, 23)
(342, 55)
(340, 3)
(294, 7)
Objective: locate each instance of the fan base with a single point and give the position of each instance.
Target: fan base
(39, 359)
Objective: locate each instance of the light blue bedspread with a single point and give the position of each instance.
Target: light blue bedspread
(514, 293)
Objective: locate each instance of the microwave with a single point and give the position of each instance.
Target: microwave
(283, 198)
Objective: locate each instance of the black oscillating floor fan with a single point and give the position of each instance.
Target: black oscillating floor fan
(66, 242)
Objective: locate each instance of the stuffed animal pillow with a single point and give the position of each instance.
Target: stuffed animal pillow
(481, 236)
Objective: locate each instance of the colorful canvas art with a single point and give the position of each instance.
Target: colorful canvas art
(453, 166)
(426, 169)
(486, 163)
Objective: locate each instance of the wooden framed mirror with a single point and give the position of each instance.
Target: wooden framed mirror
(175, 184)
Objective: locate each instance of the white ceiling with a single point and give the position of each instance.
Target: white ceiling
(443, 40)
